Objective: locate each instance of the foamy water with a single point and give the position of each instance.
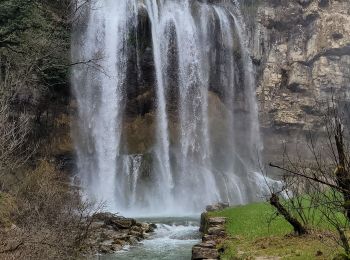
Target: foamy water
(172, 240)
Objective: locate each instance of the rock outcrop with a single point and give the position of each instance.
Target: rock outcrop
(213, 232)
(110, 233)
(305, 53)
(301, 51)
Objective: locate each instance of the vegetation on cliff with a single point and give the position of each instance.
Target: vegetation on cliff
(41, 215)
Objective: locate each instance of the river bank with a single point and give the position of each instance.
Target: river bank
(171, 240)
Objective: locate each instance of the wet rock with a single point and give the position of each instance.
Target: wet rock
(110, 233)
(204, 221)
(213, 229)
(121, 237)
(151, 228)
(134, 241)
(218, 206)
(120, 222)
(136, 234)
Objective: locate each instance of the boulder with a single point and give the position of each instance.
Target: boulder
(110, 233)
(121, 222)
(217, 206)
(202, 251)
(149, 228)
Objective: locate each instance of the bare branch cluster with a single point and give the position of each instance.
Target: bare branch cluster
(316, 190)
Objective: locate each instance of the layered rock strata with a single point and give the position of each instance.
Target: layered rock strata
(301, 50)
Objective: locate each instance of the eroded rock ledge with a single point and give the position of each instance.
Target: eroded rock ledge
(111, 233)
(213, 230)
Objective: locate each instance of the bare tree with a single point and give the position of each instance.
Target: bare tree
(318, 188)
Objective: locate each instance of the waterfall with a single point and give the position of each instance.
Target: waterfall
(205, 144)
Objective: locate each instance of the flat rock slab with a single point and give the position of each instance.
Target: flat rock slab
(217, 221)
(200, 252)
(208, 244)
(209, 238)
(120, 222)
(216, 231)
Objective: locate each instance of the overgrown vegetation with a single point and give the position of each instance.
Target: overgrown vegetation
(41, 215)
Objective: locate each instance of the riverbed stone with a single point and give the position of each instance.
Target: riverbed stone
(111, 232)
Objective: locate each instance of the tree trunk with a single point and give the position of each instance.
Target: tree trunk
(298, 227)
(344, 241)
(342, 173)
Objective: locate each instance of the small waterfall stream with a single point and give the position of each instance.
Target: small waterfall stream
(206, 136)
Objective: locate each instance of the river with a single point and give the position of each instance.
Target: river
(172, 240)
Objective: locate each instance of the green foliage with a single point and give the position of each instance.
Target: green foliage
(35, 54)
(34, 63)
(15, 18)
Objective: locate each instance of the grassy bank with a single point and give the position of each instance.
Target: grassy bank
(255, 232)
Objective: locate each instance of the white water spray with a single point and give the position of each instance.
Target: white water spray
(211, 153)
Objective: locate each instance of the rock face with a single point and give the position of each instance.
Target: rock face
(305, 48)
(110, 233)
(213, 230)
(303, 53)
(301, 49)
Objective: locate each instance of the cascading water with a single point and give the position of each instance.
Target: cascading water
(206, 139)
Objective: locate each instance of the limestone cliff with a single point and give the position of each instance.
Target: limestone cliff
(302, 52)
(304, 47)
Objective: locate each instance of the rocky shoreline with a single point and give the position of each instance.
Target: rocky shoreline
(110, 233)
(213, 233)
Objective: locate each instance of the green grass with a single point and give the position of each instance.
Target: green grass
(255, 231)
(253, 221)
